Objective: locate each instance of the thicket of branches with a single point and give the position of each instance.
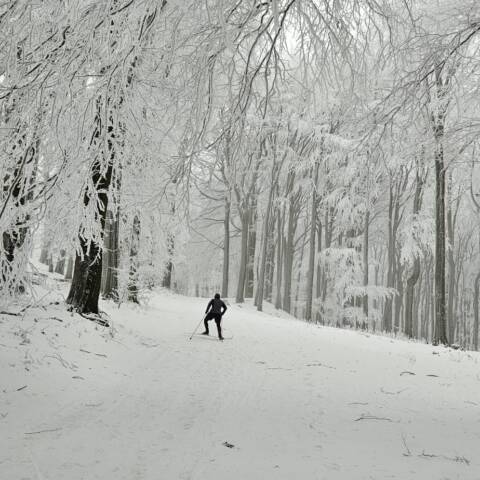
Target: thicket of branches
(317, 154)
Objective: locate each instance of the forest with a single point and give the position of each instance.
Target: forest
(321, 156)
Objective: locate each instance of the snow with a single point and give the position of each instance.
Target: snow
(296, 401)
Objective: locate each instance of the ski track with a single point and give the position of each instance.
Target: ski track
(295, 400)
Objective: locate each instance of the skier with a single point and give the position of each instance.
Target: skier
(217, 308)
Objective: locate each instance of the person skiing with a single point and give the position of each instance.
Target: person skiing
(215, 310)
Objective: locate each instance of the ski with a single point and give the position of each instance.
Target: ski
(199, 335)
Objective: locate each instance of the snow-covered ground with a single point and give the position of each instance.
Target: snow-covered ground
(292, 400)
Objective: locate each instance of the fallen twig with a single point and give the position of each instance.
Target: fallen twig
(21, 388)
(64, 363)
(409, 453)
(57, 319)
(13, 314)
(386, 392)
(320, 365)
(43, 431)
(97, 319)
(150, 345)
(372, 417)
(457, 459)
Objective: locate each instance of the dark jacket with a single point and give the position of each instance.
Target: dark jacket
(216, 305)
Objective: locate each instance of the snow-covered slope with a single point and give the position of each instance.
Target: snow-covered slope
(291, 400)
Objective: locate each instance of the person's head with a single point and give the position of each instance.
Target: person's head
(217, 295)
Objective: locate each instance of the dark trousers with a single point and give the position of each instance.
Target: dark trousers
(218, 319)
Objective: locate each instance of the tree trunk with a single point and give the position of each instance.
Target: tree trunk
(280, 248)
(318, 289)
(60, 265)
(476, 295)
(413, 278)
(270, 268)
(69, 272)
(329, 215)
(110, 257)
(134, 261)
(296, 312)
(261, 277)
(387, 313)
(167, 276)
(365, 262)
(44, 254)
(240, 298)
(440, 330)
(87, 275)
(226, 248)
(451, 320)
(252, 242)
(311, 257)
(288, 259)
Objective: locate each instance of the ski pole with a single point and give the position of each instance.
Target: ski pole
(196, 328)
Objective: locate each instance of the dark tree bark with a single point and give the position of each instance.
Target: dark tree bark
(87, 274)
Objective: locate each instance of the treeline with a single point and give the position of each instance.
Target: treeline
(318, 155)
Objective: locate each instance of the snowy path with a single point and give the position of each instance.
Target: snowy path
(295, 400)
